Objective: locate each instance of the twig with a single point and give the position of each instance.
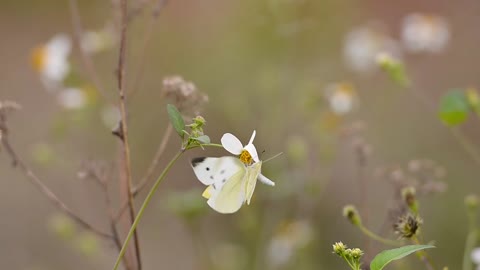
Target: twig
(146, 202)
(103, 183)
(85, 57)
(123, 126)
(146, 41)
(150, 170)
(34, 179)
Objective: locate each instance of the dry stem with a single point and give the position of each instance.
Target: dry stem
(34, 179)
(123, 125)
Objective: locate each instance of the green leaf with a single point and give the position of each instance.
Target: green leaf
(454, 108)
(386, 256)
(204, 139)
(176, 119)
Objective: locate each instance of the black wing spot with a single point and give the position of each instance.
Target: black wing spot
(224, 180)
(222, 171)
(208, 169)
(211, 177)
(213, 185)
(197, 161)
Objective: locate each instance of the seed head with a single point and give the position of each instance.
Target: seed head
(408, 226)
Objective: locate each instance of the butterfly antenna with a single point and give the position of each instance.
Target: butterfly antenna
(277, 155)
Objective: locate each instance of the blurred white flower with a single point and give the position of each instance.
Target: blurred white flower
(341, 98)
(72, 98)
(362, 45)
(475, 255)
(425, 33)
(98, 41)
(110, 116)
(289, 239)
(50, 60)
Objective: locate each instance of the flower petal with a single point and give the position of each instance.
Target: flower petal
(265, 180)
(253, 151)
(232, 144)
(253, 137)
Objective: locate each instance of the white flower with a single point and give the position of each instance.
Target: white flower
(98, 41)
(291, 237)
(362, 45)
(247, 153)
(475, 255)
(72, 98)
(425, 33)
(51, 59)
(341, 98)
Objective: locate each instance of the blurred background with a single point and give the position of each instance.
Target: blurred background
(302, 73)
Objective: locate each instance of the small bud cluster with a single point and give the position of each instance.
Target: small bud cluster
(393, 67)
(185, 95)
(351, 255)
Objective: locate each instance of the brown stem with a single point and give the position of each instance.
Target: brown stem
(150, 170)
(146, 41)
(87, 60)
(124, 130)
(34, 179)
(103, 183)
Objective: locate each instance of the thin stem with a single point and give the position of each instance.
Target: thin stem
(87, 60)
(150, 170)
(423, 255)
(466, 145)
(113, 226)
(125, 204)
(155, 161)
(124, 129)
(376, 237)
(34, 179)
(349, 263)
(471, 240)
(146, 41)
(146, 202)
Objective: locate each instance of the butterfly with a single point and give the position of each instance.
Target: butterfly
(230, 182)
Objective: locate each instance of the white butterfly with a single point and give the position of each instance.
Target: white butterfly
(231, 180)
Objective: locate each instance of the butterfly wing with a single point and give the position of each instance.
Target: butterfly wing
(215, 171)
(231, 196)
(253, 171)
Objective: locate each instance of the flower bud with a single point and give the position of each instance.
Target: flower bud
(351, 213)
(339, 248)
(393, 67)
(408, 195)
(471, 202)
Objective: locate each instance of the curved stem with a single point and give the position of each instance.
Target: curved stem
(146, 202)
(470, 241)
(423, 255)
(376, 237)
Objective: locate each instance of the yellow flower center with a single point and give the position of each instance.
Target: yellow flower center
(246, 158)
(39, 56)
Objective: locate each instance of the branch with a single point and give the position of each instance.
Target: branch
(123, 126)
(151, 169)
(85, 57)
(34, 179)
(146, 41)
